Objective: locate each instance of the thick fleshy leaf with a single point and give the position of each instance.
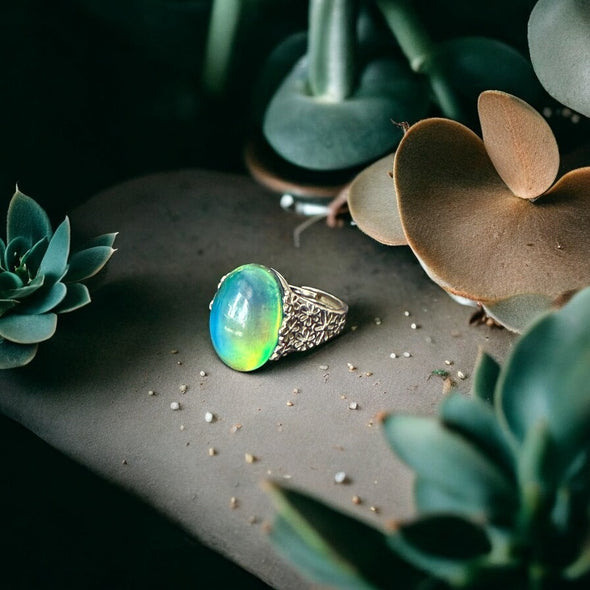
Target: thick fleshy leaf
(15, 249)
(477, 422)
(519, 142)
(474, 237)
(445, 546)
(485, 375)
(2, 255)
(316, 134)
(86, 263)
(558, 43)
(76, 297)
(9, 281)
(44, 300)
(27, 219)
(518, 312)
(33, 257)
(102, 240)
(55, 260)
(26, 290)
(6, 305)
(547, 379)
(14, 355)
(448, 459)
(28, 329)
(324, 544)
(373, 204)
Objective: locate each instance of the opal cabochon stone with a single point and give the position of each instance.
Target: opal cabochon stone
(246, 315)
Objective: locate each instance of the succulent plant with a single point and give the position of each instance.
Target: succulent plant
(502, 481)
(39, 278)
(484, 217)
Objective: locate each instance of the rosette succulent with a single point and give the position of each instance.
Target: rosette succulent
(40, 278)
(502, 484)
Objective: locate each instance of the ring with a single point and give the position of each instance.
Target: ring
(256, 316)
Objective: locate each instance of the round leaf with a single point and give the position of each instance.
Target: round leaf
(28, 329)
(76, 297)
(313, 133)
(44, 300)
(558, 35)
(14, 355)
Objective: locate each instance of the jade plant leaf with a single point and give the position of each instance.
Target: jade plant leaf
(372, 203)
(548, 383)
(324, 544)
(317, 134)
(558, 43)
(28, 329)
(476, 478)
(26, 219)
(16, 355)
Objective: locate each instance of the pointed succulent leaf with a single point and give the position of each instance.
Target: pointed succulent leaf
(431, 497)
(55, 260)
(15, 249)
(560, 54)
(9, 281)
(485, 375)
(86, 263)
(76, 297)
(373, 204)
(103, 240)
(27, 219)
(477, 422)
(44, 300)
(33, 257)
(443, 545)
(519, 142)
(26, 290)
(6, 305)
(546, 379)
(28, 329)
(434, 451)
(14, 355)
(324, 543)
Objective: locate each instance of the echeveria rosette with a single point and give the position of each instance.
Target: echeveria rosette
(484, 217)
(40, 279)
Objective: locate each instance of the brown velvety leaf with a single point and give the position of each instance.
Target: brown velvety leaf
(519, 142)
(373, 204)
(474, 237)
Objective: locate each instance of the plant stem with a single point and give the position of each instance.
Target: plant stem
(332, 48)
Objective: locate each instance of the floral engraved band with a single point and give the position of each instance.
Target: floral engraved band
(256, 316)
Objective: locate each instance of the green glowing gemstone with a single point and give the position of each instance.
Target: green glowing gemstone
(246, 315)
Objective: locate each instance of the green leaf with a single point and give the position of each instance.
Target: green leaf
(477, 422)
(442, 545)
(448, 459)
(9, 281)
(26, 290)
(33, 257)
(431, 498)
(2, 255)
(77, 296)
(44, 300)
(558, 43)
(55, 261)
(331, 547)
(26, 219)
(28, 329)
(15, 249)
(86, 263)
(546, 379)
(317, 134)
(103, 240)
(6, 305)
(16, 355)
(484, 378)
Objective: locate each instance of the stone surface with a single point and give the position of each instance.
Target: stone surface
(87, 392)
(246, 315)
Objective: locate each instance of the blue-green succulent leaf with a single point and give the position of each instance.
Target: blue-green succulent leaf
(324, 544)
(7, 305)
(432, 498)
(14, 355)
(443, 545)
(26, 290)
(484, 378)
(435, 451)
(102, 240)
(15, 250)
(2, 255)
(476, 421)
(32, 258)
(9, 281)
(546, 379)
(55, 261)
(26, 219)
(28, 329)
(44, 300)
(86, 263)
(76, 297)
(317, 134)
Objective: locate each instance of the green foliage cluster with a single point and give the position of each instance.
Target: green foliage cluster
(40, 278)
(502, 484)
